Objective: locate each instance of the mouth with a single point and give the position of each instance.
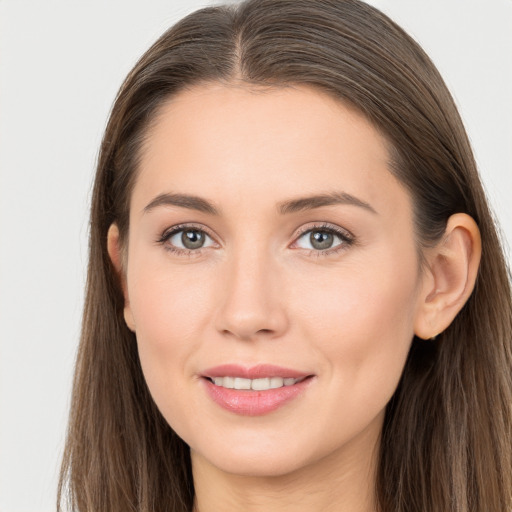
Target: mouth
(261, 384)
(254, 391)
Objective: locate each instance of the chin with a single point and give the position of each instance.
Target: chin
(259, 465)
(266, 456)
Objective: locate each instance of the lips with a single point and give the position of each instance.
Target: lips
(254, 391)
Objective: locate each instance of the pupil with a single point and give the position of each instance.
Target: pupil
(192, 239)
(321, 240)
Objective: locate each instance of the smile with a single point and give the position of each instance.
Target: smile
(261, 384)
(254, 391)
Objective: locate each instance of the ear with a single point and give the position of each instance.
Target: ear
(450, 275)
(116, 256)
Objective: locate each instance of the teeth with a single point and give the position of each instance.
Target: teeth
(260, 384)
(242, 383)
(254, 384)
(228, 382)
(276, 382)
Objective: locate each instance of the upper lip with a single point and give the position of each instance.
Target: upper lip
(259, 371)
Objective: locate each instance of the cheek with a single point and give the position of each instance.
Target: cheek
(363, 325)
(170, 311)
(358, 300)
(167, 306)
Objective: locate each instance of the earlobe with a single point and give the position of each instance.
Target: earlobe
(452, 268)
(116, 256)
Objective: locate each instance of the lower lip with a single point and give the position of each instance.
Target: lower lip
(254, 403)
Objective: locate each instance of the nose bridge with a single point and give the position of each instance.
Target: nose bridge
(251, 304)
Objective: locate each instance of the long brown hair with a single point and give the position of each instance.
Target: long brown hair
(447, 436)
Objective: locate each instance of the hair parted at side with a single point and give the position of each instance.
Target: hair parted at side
(447, 435)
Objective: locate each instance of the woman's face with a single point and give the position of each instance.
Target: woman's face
(270, 248)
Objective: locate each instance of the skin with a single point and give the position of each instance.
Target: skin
(259, 292)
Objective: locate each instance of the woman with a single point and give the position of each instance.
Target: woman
(296, 296)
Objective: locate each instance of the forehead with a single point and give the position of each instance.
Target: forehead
(239, 142)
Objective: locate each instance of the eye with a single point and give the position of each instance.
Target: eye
(184, 239)
(323, 239)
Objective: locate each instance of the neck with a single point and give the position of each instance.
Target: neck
(343, 481)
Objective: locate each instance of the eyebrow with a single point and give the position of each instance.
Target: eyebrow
(317, 201)
(183, 201)
(295, 205)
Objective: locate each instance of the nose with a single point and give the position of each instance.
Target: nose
(252, 302)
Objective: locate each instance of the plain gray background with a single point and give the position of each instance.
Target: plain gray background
(61, 62)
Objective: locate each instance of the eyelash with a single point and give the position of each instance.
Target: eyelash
(168, 234)
(347, 239)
